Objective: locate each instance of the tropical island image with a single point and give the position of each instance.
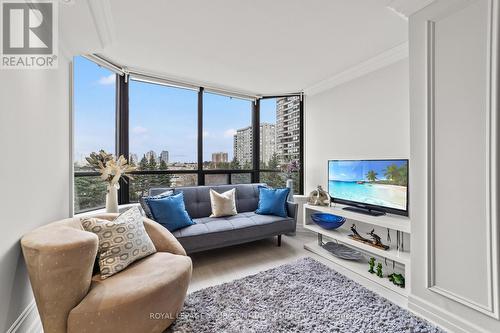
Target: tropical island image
(375, 182)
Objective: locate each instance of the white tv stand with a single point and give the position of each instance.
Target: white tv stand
(359, 269)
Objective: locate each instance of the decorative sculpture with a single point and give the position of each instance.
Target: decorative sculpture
(397, 279)
(319, 197)
(371, 262)
(375, 241)
(379, 270)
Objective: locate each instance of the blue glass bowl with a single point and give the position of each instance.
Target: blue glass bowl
(327, 221)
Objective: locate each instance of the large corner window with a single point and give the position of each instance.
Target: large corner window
(162, 137)
(179, 135)
(227, 133)
(280, 140)
(94, 129)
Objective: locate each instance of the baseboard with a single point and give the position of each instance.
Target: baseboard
(28, 321)
(440, 317)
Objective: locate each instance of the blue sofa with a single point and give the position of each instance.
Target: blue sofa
(215, 232)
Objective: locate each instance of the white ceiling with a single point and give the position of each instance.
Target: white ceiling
(256, 46)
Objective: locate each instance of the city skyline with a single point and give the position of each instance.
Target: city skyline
(161, 118)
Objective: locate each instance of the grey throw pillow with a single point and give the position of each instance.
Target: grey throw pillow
(121, 241)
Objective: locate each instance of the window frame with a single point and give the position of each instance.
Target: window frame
(122, 142)
(73, 172)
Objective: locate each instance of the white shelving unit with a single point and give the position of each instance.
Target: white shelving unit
(341, 235)
(390, 221)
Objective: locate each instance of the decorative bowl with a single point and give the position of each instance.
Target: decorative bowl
(342, 251)
(327, 221)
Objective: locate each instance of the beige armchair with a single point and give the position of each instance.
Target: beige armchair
(145, 297)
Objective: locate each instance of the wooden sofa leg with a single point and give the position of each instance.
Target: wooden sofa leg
(279, 240)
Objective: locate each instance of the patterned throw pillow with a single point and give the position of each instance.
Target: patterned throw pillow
(223, 204)
(121, 241)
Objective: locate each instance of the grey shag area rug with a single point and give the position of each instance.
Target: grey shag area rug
(303, 296)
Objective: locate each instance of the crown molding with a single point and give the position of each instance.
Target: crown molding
(103, 21)
(384, 59)
(406, 8)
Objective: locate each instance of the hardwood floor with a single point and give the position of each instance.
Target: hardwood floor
(230, 263)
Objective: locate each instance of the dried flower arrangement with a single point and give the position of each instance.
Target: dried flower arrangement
(111, 169)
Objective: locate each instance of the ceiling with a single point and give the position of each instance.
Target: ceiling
(258, 46)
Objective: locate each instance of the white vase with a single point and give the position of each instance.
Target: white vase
(112, 199)
(289, 184)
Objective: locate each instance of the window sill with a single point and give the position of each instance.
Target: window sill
(121, 209)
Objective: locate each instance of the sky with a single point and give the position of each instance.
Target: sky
(357, 170)
(161, 118)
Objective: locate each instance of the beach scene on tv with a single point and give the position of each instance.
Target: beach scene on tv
(376, 182)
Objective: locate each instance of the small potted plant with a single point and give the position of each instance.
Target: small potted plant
(112, 170)
(288, 170)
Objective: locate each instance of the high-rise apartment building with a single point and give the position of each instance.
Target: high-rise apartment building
(267, 142)
(243, 140)
(219, 157)
(288, 128)
(164, 156)
(151, 155)
(243, 145)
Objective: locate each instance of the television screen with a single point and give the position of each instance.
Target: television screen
(377, 183)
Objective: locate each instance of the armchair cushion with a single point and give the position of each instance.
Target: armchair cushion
(121, 242)
(127, 301)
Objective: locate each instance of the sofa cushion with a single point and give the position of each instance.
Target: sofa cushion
(210, 233)
(197, 198)
(207, 225)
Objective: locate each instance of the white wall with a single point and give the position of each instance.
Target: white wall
(454, 149)
(367, 117)
(34, 170)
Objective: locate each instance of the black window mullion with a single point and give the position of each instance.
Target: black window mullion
(201, 176)
(256, 141)
(301, 145)
(122, 131)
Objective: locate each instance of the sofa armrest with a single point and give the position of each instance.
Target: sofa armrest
(292, 209)
(163, 240)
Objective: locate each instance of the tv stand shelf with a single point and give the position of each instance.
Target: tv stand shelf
(360, 269)
(394, 222)
(341, 235)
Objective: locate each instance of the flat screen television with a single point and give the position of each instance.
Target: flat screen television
(372, 187)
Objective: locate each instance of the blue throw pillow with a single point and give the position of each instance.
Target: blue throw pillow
(144, 205)
(170, 211)
(272, 201)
